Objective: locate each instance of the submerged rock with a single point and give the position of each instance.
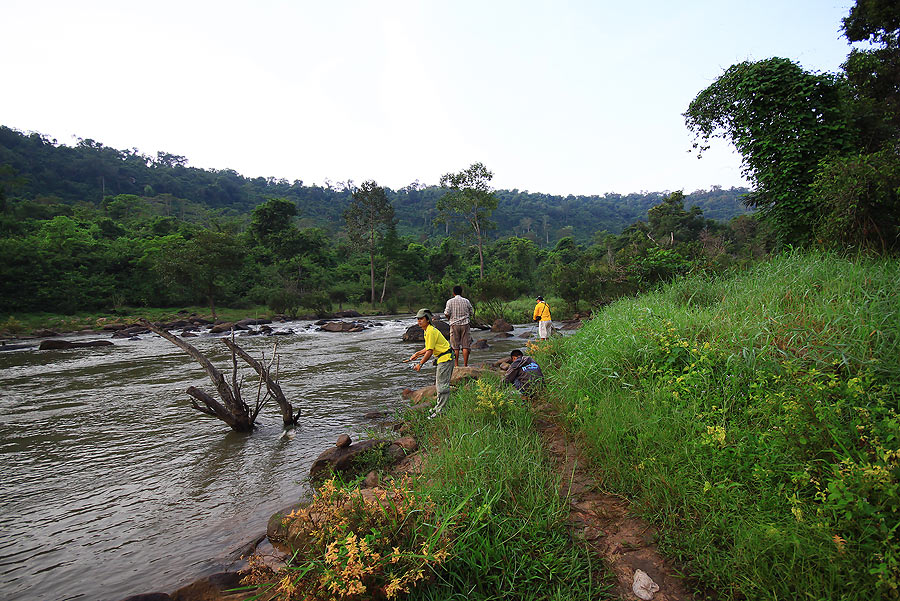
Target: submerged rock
(50, 345)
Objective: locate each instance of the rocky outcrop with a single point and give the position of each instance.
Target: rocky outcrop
(501, 325)
(343, 326)
(342, 457)
(416, 334)
(52, 345)
(480, 344)
(429, 392)
(216, 587)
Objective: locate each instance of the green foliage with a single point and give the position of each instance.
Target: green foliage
(469, 196)
(860, 204)
(369, 217)
(485, 457)
(284, 301)
(754, 418)
(783, 120)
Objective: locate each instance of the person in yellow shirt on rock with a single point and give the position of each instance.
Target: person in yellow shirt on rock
(542, 312)
(435, 346)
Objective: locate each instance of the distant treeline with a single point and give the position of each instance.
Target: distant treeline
(35, 167)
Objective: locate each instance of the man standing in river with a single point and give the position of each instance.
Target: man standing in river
(435, 346)
(458, 312)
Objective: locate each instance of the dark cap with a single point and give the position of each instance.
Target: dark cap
(540, 298)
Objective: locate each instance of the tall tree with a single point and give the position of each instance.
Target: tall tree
(368, 217)
(783, 120)
(203, 264)
(469, 196)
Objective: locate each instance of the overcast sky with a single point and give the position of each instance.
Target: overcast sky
(579, 97)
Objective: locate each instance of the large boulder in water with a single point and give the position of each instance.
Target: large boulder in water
(343, 326)
(501, 325)
(52, 345)
(415, 334)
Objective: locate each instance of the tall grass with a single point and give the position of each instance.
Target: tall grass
(485, 455)
(755, 418)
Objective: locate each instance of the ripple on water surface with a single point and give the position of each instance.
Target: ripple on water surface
(113, 486)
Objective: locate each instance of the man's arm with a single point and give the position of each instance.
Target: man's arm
(513, 372)
(427, 353)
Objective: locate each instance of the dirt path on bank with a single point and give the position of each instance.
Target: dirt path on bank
(625, 542)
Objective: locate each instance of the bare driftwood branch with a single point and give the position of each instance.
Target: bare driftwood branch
(232, 410)
(272, 386)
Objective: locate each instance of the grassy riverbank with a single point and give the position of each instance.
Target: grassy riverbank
(483, 520)
(754, 419)
(484, 454)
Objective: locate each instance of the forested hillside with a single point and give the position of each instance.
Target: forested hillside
(38, 168)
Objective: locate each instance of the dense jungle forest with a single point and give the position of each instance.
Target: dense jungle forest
(95, 228)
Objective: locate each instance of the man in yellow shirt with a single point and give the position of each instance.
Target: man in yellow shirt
(435, 346)
(542, 312)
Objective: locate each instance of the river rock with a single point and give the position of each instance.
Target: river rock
(340, 459)
(343, 326)
(407, 443)
(149, 597)
(49, 345)
(502, 335)
(348, 313)
(375, 415)
(45, 333)
(372, 480)
(213, 588)
(416, 334)
(480, 344)
(222, 327)
(253, 322)
(501, 325)
(417, 396)
(572, 324)
(343, 441)
(132, 330)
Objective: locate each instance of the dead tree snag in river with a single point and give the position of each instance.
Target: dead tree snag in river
(233, 410)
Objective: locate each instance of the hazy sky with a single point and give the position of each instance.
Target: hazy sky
(578, 97)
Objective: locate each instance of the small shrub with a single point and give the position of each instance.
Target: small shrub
(355, 546)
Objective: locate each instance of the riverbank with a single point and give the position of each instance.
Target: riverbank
(753, 420)
(37, 324)
(482, 517)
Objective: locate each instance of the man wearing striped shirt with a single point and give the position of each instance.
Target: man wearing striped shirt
(458, 311)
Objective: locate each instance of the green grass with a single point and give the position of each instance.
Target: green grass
(754, 418)
(485, 454)
(521, 310)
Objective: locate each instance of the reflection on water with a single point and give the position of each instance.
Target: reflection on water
(113, 486)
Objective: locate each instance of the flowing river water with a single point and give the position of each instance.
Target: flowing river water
(112, 485)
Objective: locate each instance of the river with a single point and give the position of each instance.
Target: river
(112, 485)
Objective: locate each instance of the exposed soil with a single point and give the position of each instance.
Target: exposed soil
(625, 542)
